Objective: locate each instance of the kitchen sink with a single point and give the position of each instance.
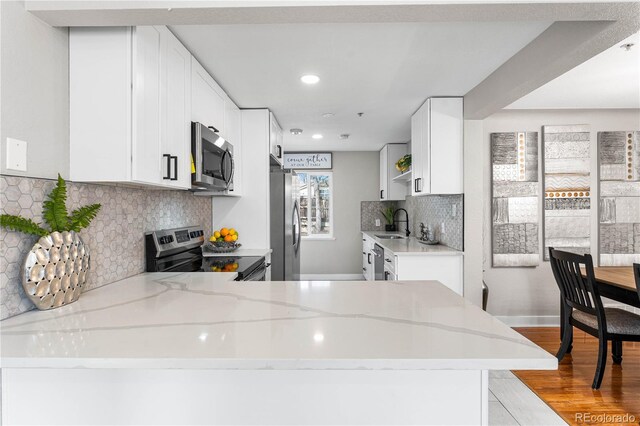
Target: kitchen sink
(391, 237)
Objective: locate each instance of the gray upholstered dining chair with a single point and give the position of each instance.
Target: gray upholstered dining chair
(583, 309)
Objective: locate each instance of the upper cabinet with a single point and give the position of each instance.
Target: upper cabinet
(129, 106)
(208, 99)
(391, 188)
(275, 138)
(437, 147)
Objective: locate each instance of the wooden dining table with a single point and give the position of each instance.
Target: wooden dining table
(617, 283)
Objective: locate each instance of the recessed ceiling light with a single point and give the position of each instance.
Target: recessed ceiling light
(316, 136)
(310, 79)
(296, 132)
(328, 114)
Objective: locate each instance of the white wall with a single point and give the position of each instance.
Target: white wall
(34, 100)
(531, 293)
(356, 178)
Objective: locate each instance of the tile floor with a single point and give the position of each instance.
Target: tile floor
(511, 402)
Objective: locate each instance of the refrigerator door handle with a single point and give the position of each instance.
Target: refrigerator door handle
(296, 227)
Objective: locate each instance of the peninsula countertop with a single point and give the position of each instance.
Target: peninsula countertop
(207, 321)
(410, 246)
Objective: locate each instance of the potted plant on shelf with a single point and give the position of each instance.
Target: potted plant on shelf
(388, 217)
(55, 269)
(404, 163)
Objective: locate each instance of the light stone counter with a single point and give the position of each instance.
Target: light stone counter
(410, 246)
(295, 352)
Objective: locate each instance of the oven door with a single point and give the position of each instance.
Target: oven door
(213, 159)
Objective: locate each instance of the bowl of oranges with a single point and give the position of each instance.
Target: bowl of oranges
(224, 240)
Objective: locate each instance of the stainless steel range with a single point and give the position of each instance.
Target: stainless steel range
(179, 250)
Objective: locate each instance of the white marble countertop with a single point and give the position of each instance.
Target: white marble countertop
(206, 321)
(240, 252)
(410, 246)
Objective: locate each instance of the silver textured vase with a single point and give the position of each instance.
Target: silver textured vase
(55, 270)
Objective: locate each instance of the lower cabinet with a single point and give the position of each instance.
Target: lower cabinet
(448, 269)
(367, 258)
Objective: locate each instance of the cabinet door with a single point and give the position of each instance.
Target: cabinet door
(233, 126)
(176, 112)
(416, 151)
(275, 138)
(426, 158)
(446, 145)
(207, 105)
(146, 155)
(384, 173)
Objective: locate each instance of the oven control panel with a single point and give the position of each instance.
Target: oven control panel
(169, 241)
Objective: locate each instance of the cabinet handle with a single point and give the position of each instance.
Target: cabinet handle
(175, 166)
(382, 194)
(213, 128)
(279, 150)
(168, 175)
(418, 185)
(369, 258)
(388, 260)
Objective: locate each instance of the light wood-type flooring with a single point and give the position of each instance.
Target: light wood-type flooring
(568, 389)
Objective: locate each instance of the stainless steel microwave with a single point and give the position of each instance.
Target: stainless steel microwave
(213, 164)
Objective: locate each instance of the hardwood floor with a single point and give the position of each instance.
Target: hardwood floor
(568, 390)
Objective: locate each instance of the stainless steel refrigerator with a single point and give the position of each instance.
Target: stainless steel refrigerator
(285, 227)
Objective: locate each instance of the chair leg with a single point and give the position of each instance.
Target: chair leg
(602, 362)
(616, 349)
(567, 342)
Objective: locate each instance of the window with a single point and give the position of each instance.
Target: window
(315, 200)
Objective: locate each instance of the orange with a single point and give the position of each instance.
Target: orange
(224, 232)
(228, 238)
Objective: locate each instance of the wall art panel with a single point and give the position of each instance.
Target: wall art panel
(619, 207)
(567, 188)
(514, 159)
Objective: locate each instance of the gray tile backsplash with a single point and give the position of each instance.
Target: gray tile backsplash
(371, 210)
(115, 237)
(432, 210)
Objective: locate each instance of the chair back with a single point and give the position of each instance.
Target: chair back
(636, 274)
(577, 291)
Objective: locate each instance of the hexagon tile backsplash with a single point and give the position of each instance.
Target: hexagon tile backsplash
(115, 237)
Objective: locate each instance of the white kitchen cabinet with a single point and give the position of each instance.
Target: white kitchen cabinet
(175, 83)
(207, 99)
(390, 189)
(233, 129)
(275, 138)
(436, 147)
(368, 267)
(448, 269)
(128, 104)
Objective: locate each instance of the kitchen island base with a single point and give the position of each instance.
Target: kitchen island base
(115, 396)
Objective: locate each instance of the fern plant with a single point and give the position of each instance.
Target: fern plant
(54, 212)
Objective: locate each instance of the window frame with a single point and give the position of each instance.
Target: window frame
(330, 235)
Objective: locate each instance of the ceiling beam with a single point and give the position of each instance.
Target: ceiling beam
(560, 48)
(116, 13)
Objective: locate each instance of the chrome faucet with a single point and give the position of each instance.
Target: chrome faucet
(406, 215)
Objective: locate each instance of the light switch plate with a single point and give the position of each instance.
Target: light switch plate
(16, 155)
(377, 222)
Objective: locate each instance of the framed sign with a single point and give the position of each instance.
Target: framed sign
(307, 160)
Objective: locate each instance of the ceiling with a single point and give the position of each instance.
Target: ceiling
(608, 80)
(385, 70)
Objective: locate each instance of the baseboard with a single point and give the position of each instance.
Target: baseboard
(331, 277)
(530, 321)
